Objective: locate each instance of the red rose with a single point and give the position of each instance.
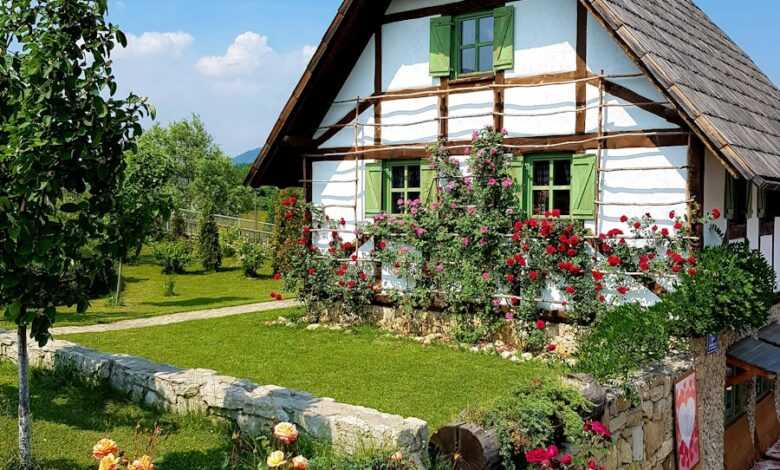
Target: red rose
(510, 278)
(624, 218)
(342, 221)
(665, 232)
(614, 260)
(566, 459)
(362, 276)
(692, 272)
(570, 290)
(354, 257)
(692, 260)
(644, 266)
(351, 284)
(622, 290)
(599, 287)
(552, 451)
(540, 324)
(672, 215)
(288, 215)
(510, 262)
(637, 225)
(556, 212)
(597, 276)
(598, 428)
(519, 260)
(571, 252)
(676, 268)
(312, 271)
(381, 245)
(277, 276)
(551, 347)
(715, 214)
(536, 456)
(678, 226)
(602, 299)
(533, 275)
(306, 229)
(551, 250)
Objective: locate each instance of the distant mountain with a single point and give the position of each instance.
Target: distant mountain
(247, 157)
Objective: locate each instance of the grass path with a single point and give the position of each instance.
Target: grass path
(70, 417)
(144, 297)
(364, 368)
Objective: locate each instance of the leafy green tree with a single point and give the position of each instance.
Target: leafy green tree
(288, 228)
(210, 250)
(63, 134)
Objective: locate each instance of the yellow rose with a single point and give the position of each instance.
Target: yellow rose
(300, 463)
(286, 433)
(144, 463)
(276, 459)
(103, 448)
(109, 462)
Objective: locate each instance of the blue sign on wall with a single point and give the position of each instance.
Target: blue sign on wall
(713, 344)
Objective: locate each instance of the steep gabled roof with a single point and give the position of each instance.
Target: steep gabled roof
(715, 86)
(732, 104)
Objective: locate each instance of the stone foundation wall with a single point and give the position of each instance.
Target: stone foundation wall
(254, 408)
(643, 427)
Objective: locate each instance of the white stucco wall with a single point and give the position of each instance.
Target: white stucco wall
(545, 37)
(405, 53)
(469, 104)
(398, 6)
(335, 185)
(714, 191)
(557, 102)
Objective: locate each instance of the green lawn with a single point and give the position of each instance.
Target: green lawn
(70, 418)
(364, 368)
(195, 290)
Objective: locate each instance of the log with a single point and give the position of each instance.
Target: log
(465, 446)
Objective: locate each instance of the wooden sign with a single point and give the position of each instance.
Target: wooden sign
(686, 423)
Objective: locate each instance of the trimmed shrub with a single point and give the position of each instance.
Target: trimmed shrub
(731, 289)
(252, 255)
(623, 340)
(288, 225)
(173, 256)
(230, 239)
(208, 242)
(178, 226)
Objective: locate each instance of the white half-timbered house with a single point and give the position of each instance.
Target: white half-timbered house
(612, 107)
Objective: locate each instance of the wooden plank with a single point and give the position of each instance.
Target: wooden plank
(444, 109)
(341, 124)
(582, 68)
(459, 8)
(646, 104)
(378, 84)
(695, 186)
(498, 102)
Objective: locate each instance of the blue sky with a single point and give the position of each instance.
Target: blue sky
(234, 62)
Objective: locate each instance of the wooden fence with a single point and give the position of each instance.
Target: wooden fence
(249, 228)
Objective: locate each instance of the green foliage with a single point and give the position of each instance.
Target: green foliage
(288, 224)
(732, 289)
(535, 415)
(622, 340)
(253, 256)
(173, 256)
(229, 240)
(63, 134)
(208, 244)
(178, 226)
(169, 289)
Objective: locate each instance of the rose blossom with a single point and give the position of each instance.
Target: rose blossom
(275, 459)
(109, 462)
(300, 463)
(144, 463)
(715, 214)
(103, 448)
(540, 324)
(287, 433)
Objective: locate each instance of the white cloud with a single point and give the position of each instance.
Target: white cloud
(244, 56)
(308, 51)
(152, 44)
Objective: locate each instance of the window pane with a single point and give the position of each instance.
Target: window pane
(562, 172)
(412, 195)
(485, 58)
(469, 32)
(413, 176)
(468, 60)
(561, 201)
(396, 203)
(540, 201)
(486, 29)
(542, 173)
(398, 177)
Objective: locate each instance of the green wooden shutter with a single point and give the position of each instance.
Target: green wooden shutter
(441, 46)
(504, 38)
(427, 182)
(583, 185)
(516, 172)
(373, 190)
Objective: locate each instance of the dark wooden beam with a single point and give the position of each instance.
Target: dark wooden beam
(459, 8)
(498, 102)
(582, 68)
(696, 186)
(641, 102)
(378, 84)
(341, 123)
(562, 143)
(444, 110)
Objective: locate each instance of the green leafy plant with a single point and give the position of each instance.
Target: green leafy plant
(169, 286)
(731, 289)
(173, 256)
(289, 217)
(208, 244)
(253, 256)
(230, 240)
(622, 340)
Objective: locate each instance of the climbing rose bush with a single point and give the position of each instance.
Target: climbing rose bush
(471, 249)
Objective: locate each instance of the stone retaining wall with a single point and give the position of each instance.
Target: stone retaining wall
(643, 428)
(254, 408)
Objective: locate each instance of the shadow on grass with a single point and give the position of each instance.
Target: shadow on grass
(198, 301)
(92, 317)
(202, 272)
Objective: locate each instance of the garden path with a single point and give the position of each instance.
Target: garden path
(176, 318)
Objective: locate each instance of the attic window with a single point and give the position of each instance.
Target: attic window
(475, 43)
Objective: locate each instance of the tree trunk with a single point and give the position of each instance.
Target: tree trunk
(25, 420)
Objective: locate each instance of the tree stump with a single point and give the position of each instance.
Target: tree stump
(465, 446)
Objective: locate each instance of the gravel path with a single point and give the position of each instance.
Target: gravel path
(176, 318)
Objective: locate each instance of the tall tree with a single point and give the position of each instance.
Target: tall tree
(62, 137)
